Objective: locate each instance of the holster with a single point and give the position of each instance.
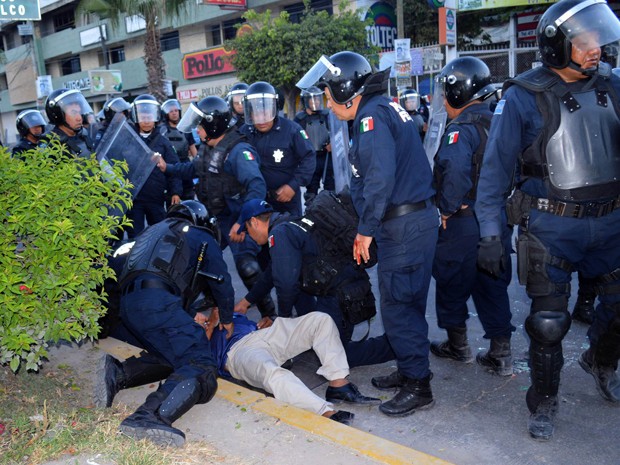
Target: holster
(357, 301)
(517, 206)
(317, 277)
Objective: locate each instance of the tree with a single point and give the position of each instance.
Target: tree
(150, 10)
(280, 52)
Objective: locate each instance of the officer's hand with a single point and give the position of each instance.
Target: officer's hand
(491, 257)
(229, 329)
(159, 160)
(265, 322)
(285, 193)
(242, 306)
(233, 236)
(361, 248)
(444, 221)
(175, 200)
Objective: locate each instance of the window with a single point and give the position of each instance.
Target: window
(216, 35)
(70, 65)
(64, 20)
(169, 41)
(117, 54)
(296, 10)
(230, 31)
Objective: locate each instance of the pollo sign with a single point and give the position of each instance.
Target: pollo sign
(207, 63)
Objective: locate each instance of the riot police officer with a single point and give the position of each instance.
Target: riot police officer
(149, 202)
(167, 267)
(392, 191)
(464, 85)
(560, 123)
(315, 121)
(229, 174)
(31, 128)
(234, 98)
(110, 109)
(286, 155)
(65, 110)
(409, 99)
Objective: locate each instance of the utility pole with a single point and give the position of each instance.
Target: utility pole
(400, 20)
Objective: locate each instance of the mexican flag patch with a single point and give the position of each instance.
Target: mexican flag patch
(303, 134)
(248, 155)
(367, 124)
(270, 241)
(453, 137)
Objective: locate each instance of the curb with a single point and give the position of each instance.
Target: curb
(374, 447)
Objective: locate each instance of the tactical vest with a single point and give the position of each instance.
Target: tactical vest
(178, 140)
(482, 123)
(316, 126)
(81, 145)
(215, 184)
(577, 153)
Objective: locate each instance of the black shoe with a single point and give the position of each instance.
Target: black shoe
(387, 383)
(152, 429)
(607, 381)
(415, 395)
(540, 424)
(455, 348)
(342, 416)
(349, 394)
(106, 383)
(498, 359)
(584, 310)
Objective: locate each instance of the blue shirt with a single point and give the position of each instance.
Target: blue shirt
(220, 345)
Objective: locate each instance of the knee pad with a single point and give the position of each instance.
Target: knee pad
(546, 327)
(208, 385)
(184, 396)
(248, 268)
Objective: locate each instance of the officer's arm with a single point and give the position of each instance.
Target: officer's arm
(244, 165)
(286, 261)
(261, 287)
(223, 292)
(175, 186)
(186, 170)
(303, 150)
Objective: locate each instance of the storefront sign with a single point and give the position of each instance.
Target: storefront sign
(383, 32)
(208, 62)
(16, 10)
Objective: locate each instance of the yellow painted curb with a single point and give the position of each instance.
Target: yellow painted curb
(377, 448)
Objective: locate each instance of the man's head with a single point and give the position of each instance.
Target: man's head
(65, 108)
(211, 118)
(571, 33)
(254, 219)
(235, 98)
(145, 112)
(171, 111)
(30, 125)
(260, 106)
(312, 99)
(114, 106)
(410, 100)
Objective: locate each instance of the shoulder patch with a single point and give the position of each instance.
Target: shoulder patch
(304, 134)
(248, 155)
(367, 124)
(271, 241)
(453, 137)
(500, 107)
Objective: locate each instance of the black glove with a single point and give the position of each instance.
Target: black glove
(491, 257)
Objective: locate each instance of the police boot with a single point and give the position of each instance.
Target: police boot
(389, 382)
(415, 394)
(498, 358)
(456, 347)
(584, 308)
(543, 410)
(605, 376)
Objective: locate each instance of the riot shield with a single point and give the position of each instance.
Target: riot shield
(339, 138)
(437, 120)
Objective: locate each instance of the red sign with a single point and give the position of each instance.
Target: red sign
(234, 3)
(207, 63)
(191, 94)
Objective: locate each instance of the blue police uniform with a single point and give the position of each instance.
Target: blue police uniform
(454, 268)
(392, 192)
(78, 145)
(286, 157)
(149, 202)
(23, 145)
(565, 225)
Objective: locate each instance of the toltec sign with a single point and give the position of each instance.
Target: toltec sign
(207, 63)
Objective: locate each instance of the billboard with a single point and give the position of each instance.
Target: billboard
(105, 81)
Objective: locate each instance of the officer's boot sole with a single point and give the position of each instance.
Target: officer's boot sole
(162, 437)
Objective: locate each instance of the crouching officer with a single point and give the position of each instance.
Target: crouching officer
(229, 174)
(169, 264)
(31, 128)
(464, 85)
(560, 123)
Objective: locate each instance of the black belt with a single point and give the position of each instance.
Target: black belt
(148, 284)
(575, 210)
(406, 208)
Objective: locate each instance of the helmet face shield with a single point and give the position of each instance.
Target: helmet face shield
(410, 101)
(191, 119)
(146, 111)
(260, 108)
(313, 98)
(73, 103)
(170, 105)
(588, 25)
(323, 68)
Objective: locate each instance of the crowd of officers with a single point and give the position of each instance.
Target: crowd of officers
(546, 160)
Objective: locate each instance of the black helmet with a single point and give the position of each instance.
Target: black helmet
(212, 113)
(59, 101)
(238, 89)
(312, 98)
(168, 106)
(260, 103)
(28, 119)
(564, 21)
(410, 100)
(197, 214)
(114, 106)
(464, 80)
(347, 77)
(145, 108)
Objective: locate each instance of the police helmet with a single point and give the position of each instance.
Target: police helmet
(260, 103)
(564, 24)
(28, 119)
(145, 109)
(464, 80)
(114, 106)
(168, 106)
(410, 100)
(62, 100)
(212, 113)
(347, 76)
(236, 93)
(312, 98)
(197, 214)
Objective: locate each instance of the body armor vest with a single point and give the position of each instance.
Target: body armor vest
(317, 129)
(215, 184)
(577, 154)
(177, 140)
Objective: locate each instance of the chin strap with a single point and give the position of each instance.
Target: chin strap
(585, 71)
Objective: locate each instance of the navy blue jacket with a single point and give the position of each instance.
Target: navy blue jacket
(220, 345)
(388, 161)
(286, 154)
(23, 145)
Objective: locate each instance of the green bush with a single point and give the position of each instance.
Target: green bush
(54, 238)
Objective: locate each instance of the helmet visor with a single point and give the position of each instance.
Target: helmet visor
(410, 101)
(191, 119)
(147, 111)
(260, 108)
(73, 103)
(322, 68)
(588, 25)
(32, 118)
(170, 105)
(314, 101)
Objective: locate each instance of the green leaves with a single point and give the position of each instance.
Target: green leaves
(54, 237)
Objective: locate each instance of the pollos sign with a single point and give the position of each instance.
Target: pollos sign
(207, 63)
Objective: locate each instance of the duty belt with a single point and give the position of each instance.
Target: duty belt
(406, 208)
(140, 284)
(575, 210)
